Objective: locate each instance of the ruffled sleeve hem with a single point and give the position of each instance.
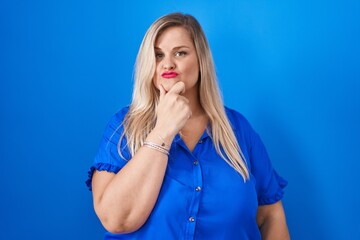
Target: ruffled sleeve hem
(100, 167)
(277, 196)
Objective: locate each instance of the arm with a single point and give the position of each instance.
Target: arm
(272, 222)
(124, 201)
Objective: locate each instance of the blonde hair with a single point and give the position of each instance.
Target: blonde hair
(141, 118)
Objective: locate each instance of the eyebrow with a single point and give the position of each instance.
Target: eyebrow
(174, 49)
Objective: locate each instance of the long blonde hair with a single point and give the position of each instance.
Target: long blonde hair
(141, 118)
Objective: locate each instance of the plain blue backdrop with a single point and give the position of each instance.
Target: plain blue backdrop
(291, 67)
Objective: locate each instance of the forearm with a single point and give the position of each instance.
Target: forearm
(272, 222)
(272, 229)
(130, 196)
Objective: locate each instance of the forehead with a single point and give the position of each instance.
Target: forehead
(173, 37)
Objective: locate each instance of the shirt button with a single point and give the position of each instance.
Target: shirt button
(196, 163)
(198, 189)
(200, 141)
(191, 219)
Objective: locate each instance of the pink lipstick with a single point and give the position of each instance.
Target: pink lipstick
(169, 74)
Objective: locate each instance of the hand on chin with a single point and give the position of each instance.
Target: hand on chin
(168, 84)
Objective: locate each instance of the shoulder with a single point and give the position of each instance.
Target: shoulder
(114, 126)
(242, 128)
(116, 120)
(119, 116)
(237, 120)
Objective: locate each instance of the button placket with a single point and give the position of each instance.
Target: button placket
(196, 196)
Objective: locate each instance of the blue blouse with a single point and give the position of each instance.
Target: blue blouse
(201, 197)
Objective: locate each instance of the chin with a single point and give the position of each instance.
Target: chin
(168, 83)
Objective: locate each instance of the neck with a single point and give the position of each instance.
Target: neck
(194, 126)
(194, 101)
(199, 120)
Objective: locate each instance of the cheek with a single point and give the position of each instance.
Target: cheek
(193, 72)
(156, 78)
(193, 67)
(155, 81)
(155, 84)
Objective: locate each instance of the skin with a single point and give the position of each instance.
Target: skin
(124, 201)
(272, 222)
(175, 52)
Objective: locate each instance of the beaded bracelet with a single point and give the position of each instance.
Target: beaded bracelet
(156, 147)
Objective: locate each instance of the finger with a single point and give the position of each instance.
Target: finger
(178, 88)
(184, 99)
(162, 91)
(190, 114)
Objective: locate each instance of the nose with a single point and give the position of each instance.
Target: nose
(168, 63)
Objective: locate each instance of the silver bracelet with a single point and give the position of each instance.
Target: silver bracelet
(156, 147)
(163, 144)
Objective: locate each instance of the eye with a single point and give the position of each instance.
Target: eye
(159, 55)
(180, 54)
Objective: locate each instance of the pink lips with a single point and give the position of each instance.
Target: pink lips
(169, 74)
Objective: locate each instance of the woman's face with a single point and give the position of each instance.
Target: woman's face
(176, 60)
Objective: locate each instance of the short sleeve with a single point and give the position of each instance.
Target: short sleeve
(269, 185)
(108, 156)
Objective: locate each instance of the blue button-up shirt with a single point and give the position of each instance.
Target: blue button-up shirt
(202, 197)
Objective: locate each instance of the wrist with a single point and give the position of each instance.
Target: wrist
(161, 137)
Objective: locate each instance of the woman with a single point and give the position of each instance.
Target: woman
(177, 164)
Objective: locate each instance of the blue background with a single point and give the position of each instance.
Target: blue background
(291, 67)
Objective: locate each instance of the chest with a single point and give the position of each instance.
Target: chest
(202, 197)
(192, 132)
(201, 183)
